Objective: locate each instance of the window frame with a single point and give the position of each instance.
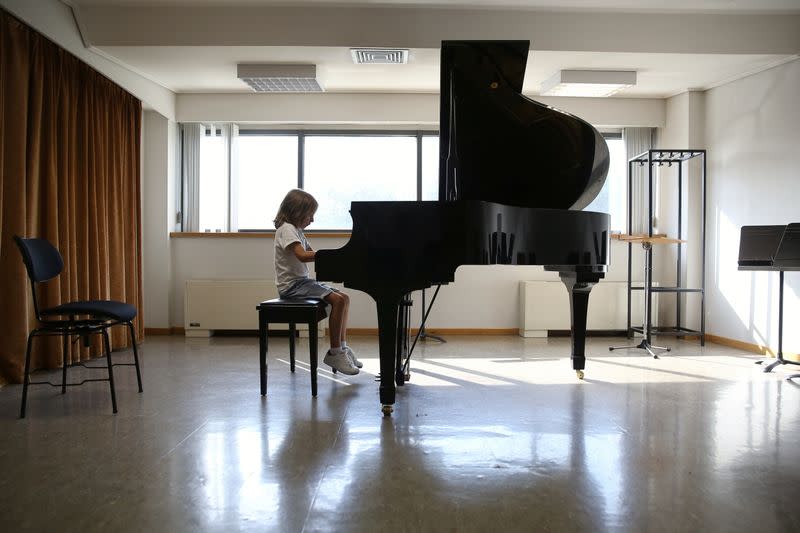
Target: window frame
(417, 134)
(301, 134)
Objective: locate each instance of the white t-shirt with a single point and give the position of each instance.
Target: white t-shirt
(288, 267)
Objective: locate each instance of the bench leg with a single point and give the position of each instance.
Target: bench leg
(312, 342)
(262, 350)
(291, 346)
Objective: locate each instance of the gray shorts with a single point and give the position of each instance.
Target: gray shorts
(307, 288)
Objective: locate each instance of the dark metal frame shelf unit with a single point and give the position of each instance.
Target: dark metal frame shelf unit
(662, 157)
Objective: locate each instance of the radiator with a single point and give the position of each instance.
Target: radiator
(544, 305)
(215, 304)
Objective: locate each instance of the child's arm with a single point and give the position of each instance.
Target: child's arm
(304, 256)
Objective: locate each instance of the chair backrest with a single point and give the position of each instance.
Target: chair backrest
(42, 261)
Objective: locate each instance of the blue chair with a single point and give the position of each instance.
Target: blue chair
(72, 319)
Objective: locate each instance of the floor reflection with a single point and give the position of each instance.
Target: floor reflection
(489, 434)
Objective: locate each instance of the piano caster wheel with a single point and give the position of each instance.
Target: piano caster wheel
(387, 410)
(579, 374)
(408, 376)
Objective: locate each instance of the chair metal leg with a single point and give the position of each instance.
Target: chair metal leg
(135, 356)
(64, 348)
(25, 377)
(292, 330)
(110, 370)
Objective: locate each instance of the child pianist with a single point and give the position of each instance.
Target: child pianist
(292, 252)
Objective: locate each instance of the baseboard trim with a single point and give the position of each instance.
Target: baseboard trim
(750, 347)
(442, 331)
(716, 339)
(589, 333)
(164, 331)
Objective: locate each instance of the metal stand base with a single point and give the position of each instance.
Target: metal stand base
(770, 366)
(647, 326)
(780, 360)
(644, 345)
(424, 336)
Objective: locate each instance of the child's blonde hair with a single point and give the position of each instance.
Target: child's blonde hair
(296, 206)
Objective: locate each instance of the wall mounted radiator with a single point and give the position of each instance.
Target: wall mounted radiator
(544, 306)
(215, 304)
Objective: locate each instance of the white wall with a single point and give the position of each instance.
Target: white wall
(752, 129)
(482, 297)
(158, 201)
(685, 123)
(394, 109)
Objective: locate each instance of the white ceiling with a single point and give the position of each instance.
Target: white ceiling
(193, 46)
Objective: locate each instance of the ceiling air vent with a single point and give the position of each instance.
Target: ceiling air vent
(266, 78)
(379, 56)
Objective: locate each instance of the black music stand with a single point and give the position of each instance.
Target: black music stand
(772, 248)
(422, 335)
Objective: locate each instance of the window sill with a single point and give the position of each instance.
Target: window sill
(252, 235)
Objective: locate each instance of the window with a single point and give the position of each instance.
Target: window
(337, 168)
(266, 167)
(430, 167)
(213, 181)
(612, 197)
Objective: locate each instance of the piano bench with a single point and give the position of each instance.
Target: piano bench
(278, 311)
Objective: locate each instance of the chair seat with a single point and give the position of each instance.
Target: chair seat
(111, 309)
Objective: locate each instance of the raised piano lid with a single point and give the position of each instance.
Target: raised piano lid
(497, 145)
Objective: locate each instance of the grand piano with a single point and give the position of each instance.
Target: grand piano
(514, 176)
(773, 249)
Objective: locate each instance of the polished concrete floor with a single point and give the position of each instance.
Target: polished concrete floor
(490, 434)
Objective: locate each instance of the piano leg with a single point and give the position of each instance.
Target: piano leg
(387, 305)
(579, 285)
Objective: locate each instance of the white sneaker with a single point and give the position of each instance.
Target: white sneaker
(353, 359)
(341, 363)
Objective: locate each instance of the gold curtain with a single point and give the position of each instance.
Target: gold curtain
(69, 173)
